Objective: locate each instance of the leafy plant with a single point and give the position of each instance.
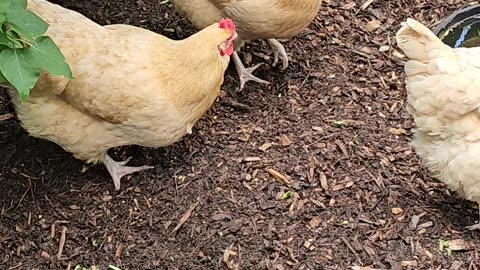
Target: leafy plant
(286, 195)
(79, 267)
(25, 50)
(444, 244)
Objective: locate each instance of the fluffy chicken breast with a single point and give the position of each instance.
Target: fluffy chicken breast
(131, 86)
(268, 19)
(443, 88)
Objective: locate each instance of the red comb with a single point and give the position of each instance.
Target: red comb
(227, 24)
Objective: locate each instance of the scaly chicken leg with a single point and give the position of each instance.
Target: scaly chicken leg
(245, 74)
(476, 226)
(118, 169)
(278, 52)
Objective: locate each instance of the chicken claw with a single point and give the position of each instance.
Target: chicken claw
(117, 169)
(245, 74)
(278, 52)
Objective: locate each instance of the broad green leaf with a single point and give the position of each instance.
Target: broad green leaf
(10, 39)
(25, 22)
(43, 53)
(14, 39)
(18, 71)
(2, 20)
(2, 78)
(18, 4)
(4, 39)
(4, 6)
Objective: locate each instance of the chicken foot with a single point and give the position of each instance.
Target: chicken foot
(245, 74)
(117, 169)
(278, 52)
(476, 226)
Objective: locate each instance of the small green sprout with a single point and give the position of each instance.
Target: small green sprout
(286, 195)
(444, 244)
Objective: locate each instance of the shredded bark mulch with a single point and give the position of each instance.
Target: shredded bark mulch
(311, 172)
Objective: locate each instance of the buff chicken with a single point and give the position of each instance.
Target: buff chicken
(443, 96)
(131, 87)
(268, 19)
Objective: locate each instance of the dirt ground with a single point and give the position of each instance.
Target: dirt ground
(333, 123)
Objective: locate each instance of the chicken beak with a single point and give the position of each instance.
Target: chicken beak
(231, 39)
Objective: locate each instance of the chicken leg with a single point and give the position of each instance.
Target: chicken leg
(118, 169)
(245, 74)
(476, 226)
(278, 52)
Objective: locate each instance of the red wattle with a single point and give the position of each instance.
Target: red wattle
(229, 50)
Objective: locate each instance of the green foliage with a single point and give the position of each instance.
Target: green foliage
(286, 195)
(25, 50)
(446, 247)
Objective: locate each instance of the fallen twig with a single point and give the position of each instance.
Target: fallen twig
(118, 251)
(63, 238)
(7, 116)
(230, 102)
(367, 4)
(185, 217)
(279, 177)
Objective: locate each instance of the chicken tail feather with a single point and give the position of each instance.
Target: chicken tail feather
(417, 41)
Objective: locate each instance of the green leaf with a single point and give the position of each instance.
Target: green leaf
(18, 71)
(25, 22)
(43, 53)
(15, 41)
(10, 39)
(4, 6)
(19, 4)
(443, 243)
(2, 78)
(4, 39)
(2, 20)
(286, 195)
(3, 27)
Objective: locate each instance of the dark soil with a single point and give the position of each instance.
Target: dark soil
(336, 126)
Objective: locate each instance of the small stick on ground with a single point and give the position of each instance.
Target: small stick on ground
(367, 4)
(279, 177)
(185, 217)
(235, 104)
(351, 249)
(119, 251)
(63, 237)
(52, 231)
(7, 116)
